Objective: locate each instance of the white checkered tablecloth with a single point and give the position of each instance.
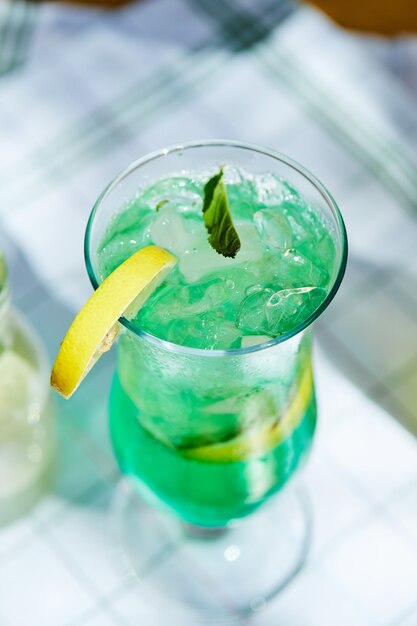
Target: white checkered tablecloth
(83, 93)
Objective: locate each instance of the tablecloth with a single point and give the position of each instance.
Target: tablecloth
(83, 92)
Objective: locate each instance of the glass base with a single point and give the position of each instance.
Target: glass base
(218, 574)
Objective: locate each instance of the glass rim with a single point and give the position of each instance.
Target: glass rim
(219, 143)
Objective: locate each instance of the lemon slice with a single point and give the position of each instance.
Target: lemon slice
(252, 444)
(95, 328)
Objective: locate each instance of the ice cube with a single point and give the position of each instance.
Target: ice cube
(124, 243)
(206, 331)
(321, 251)
(206, 296)
(254, 288)
(251, 317)
(241, 193)
(178, 304)
(168, 231)
(185, 193)
(251, 248)
(272, 313)
(273, 228)
(235, 283)
(287, 308)
(306, 223)
(272, 190)
(225, 337)
(195, 263)
(202, 259)
(193, 224)
(171, 303)
(130, 218)
(296, 270)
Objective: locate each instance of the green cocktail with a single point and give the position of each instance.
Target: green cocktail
(212, 407)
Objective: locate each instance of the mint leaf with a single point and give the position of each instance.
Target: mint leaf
(161, 204)
(218, 218)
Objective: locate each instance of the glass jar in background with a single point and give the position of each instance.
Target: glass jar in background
(26, 426)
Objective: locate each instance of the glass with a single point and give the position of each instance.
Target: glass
(26, 427)
(167, 400)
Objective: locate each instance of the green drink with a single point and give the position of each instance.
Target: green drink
(212, 408)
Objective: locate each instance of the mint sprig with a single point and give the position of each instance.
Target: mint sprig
(218, 218)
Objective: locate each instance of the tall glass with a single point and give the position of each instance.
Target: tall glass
(173, 408)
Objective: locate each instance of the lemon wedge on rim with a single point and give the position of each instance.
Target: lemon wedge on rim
(96, 326)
